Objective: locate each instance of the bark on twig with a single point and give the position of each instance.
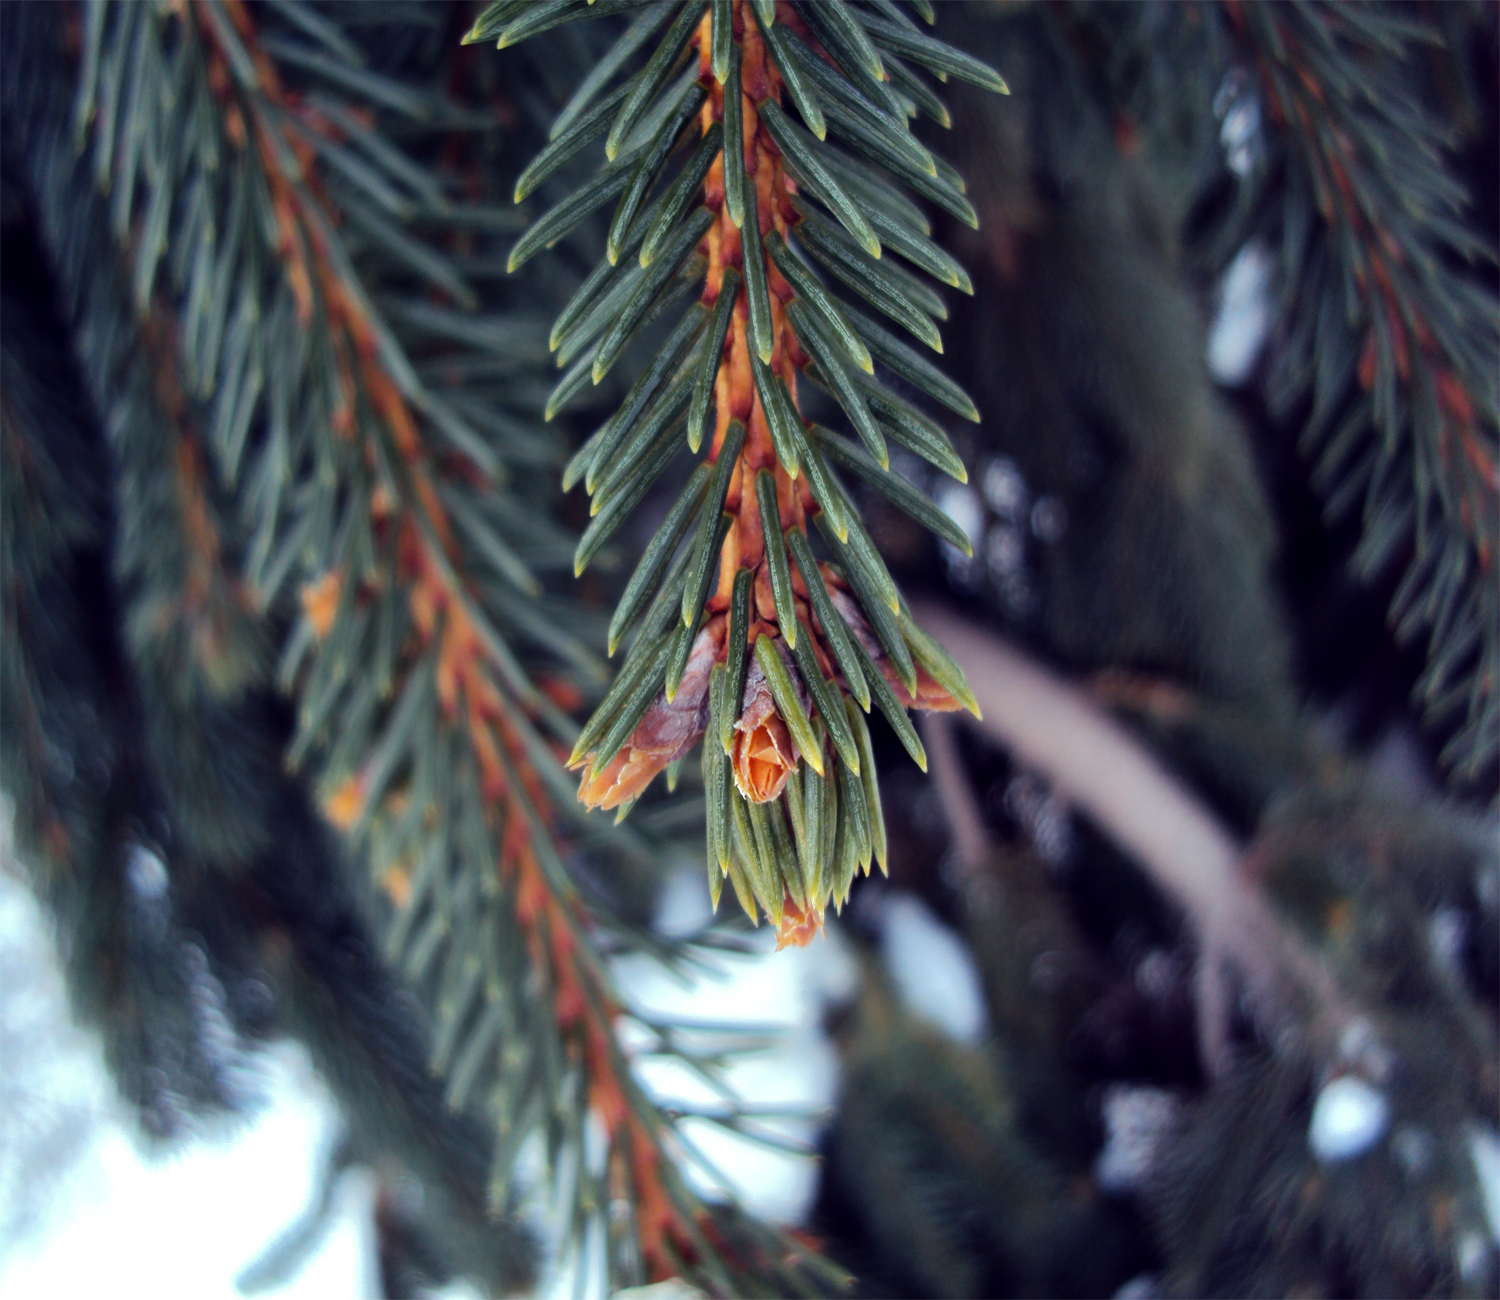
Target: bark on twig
(972, 847)
(1110, 776)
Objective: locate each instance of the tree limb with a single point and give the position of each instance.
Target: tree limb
(1109, 775)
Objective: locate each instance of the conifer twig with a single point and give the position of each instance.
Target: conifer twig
(1390, 333)
(771, 643)
(971, 841)
(356, 470)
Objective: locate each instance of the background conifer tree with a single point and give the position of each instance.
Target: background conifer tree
(314, 316)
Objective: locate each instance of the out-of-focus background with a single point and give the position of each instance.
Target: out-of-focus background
(90, 1210)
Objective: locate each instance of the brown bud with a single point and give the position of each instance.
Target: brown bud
(320, 600)
(763, 755)
(669, 729)
(930, 695)
(798, 928)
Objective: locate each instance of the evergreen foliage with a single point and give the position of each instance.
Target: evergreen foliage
(295, 620)
(1393, 373)
(781, 208)
(315, 465)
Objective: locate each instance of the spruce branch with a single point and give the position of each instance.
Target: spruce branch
(351, 437)
(1390, 336)
(445, 750)
(746, 635)
(72, 751)
(154, 915)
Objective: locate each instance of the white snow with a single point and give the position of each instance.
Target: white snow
(785, 992)
(1244, 318)
(1005, 490)
(931, 969)
(128, 1224)
(1472, 1252)
(1348, 1118)
(186, 1225)
(961, 504)
(1136, 1119)
(672, 1289)
(85, 1210)
(1238, 108)
(1484, 1150)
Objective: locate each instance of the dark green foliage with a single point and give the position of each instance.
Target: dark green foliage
(71, 741)
(279, 532)
(322, 450)
(1164, 557)
(1362, 878)
(162, 912)
(1308, 1227)
(1083, 346)
(1393, 372)
(1338, 346)
(933, 1160)
(1365, 880)
(755, 236)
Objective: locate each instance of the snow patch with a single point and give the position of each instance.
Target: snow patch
(1136, 1120)
(1244, 318)
(1348, 1118)
(932, 970)
(784, 993)
(187, 1224)
(1484, 1151)
(683, 906)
